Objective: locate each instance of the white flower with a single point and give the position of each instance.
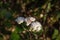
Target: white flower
(41, 15)
(28, 20)
(32, 18)
(35, 26)
(20, 20)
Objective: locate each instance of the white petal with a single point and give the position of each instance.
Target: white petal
(36, 26)
(20, 20)
(28, 20)
(32, 18)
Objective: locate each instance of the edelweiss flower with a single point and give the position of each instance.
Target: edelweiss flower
(20, 20)
(35, 26)
(28, 20)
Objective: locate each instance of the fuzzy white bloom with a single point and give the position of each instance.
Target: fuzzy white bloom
(41, 15)
(20, 20)
(28, 20)
(35, 26)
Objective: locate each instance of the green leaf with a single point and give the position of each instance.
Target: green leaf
(48, 7)
(58, 38)
(19, 29)
(58, 14)
(15, 36)
(55, 34)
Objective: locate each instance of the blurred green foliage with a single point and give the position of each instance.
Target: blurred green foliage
(14, 36)
(55, 34)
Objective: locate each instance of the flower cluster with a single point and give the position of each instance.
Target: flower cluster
(34, 25)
